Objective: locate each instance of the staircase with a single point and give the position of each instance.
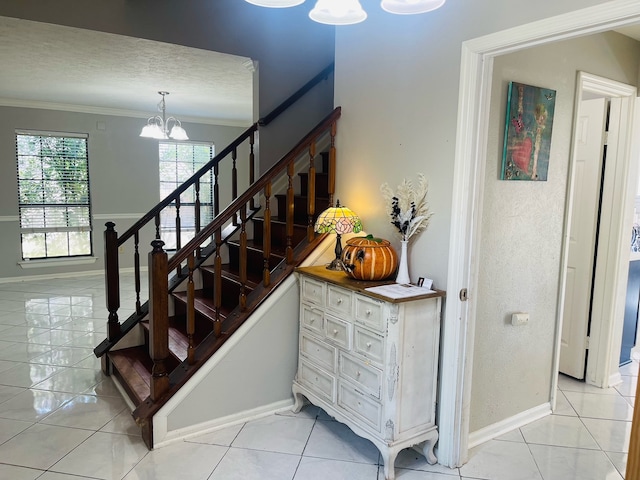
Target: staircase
(210, 286)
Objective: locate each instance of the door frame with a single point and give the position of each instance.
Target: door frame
(612, 259)
(470, 154)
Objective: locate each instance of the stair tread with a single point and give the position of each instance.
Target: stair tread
(178, 341)
(233, 274)
(203, 304)
(276, 251)
(134, 367)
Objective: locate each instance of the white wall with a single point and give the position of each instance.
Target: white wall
(522, 229)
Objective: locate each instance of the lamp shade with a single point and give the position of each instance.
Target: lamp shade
(338, 12)
(410, 7)
(276, 3)
(338, 220)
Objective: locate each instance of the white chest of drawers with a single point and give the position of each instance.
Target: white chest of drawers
(369, 361)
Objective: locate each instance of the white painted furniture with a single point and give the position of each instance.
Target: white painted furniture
(369, 361)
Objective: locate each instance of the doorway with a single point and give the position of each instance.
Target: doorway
(593, 298)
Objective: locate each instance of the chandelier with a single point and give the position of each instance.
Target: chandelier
(348, 12)
(158, 127)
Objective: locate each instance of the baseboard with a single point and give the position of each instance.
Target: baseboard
(222, 422)
(504, 426)
(615, 379)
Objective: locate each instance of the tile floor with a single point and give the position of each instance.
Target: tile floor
(61, 419)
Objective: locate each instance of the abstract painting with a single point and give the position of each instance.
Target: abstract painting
(527, 133)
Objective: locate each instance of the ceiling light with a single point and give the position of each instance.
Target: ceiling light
(348, 12)
(409, 7)
(158, 127)
(338, 12)
(276, 3)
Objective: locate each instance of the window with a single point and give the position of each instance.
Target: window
(53, 195)
(178, 162)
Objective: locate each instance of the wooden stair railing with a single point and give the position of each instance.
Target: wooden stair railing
(226, 311)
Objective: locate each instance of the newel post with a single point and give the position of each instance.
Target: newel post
(112, 279)
(158, 319)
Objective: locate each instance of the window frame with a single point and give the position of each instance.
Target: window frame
(72, 216)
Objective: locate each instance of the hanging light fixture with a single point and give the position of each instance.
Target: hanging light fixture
(276, 3)
(348, 12)
(338, 12)
(158, 127)
(410, 7)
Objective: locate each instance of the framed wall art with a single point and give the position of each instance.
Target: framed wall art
(527, 132)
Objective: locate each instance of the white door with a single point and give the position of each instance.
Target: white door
(582, 235)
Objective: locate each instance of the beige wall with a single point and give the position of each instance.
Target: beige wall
(522, 229)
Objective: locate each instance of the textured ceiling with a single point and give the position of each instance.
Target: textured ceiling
(51, 66)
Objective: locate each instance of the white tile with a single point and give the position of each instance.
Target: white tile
(561, 463)
(308, 411)
(63, 356)
(123, 423)
(224, 436)
(61, 476)
(19, 473)
(568, 384)
(630, 368)
(33, 405)
(409, 459)
(563, 407)
(512, 436)
(6, 364)
(628, 386)
(103, 455)
(242, 464)
(10, 428)
(619, 460)
(275, 434)
(105, 388)
(22, 352)
(322, 469)
(91, 362)
(560, 431)
(336, 441)
(611, 435)
(497, 460)
(22, 333)
(402, 474)
(86, 411)
(27, 374)
(631, 401)
(179, 460)
(40, 446)
(612, 407)
(72, 380)
(7, 392)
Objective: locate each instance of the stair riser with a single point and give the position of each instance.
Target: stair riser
(300, 208)
(322, 185)
(278, 233)
(230, 290)
(255, 260)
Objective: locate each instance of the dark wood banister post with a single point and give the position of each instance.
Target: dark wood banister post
(332, 163)
(158, 319)
(311, 189)
(112, 280)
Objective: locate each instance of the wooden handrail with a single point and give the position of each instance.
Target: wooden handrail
(324, 74)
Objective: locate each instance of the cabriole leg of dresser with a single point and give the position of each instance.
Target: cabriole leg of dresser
(428, 446)
(299, 399)
(389, 458)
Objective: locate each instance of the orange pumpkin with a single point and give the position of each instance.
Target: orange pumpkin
(369, 258)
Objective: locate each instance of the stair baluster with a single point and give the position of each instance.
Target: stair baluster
(252, 170)
(136, 269)
(191, 311)
(311, 192)
(197, 217)
(266, 236)
(158, 319)
(332, 163)
(242, 273)
(112, 279)
(217, 284)
(290, 213)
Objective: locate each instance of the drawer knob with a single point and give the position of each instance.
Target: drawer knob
(368, 344)
(335, 332)
(358, 373)
(339, 301)
(312, 320)
(368, 312)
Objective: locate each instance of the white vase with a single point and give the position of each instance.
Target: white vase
(403, 268)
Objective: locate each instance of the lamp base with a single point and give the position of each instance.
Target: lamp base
(336, 264)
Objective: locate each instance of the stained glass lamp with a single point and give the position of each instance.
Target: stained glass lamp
(338, 220)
